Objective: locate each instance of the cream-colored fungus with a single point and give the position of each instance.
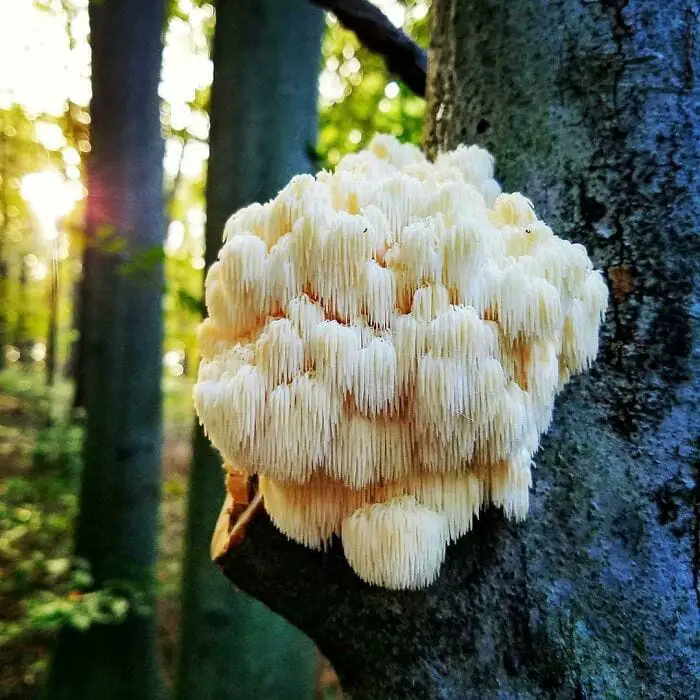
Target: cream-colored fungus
(384, 346)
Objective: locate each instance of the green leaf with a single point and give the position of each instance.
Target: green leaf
(82, 579)
(143, 262)
(81, 619)
(120, 608)
(58, 567)
(190, 302)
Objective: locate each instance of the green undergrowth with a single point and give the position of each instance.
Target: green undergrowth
(42, 585)
(39, 471)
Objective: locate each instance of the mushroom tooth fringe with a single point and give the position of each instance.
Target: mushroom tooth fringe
(513, 210)
(466, 246)
(429, 301)
(279, 352)
(454, 199)
(541, 378)
(476, 167)
(310, 513)
(509, 485)
(459, 333)
(333, 350)
(410, 342)
(305, 316)
(368, 451)
(419, 254)
(297, 426)
(386, 147)
(399, 544)
(239, 315)
(253, 219)
(214, 339)
(458, 497)
(375, 378)
(311, 523)
(454, 405)
(379, 298)
(301, 511)
(229, 407)
(281, 279)
(242, 261)
(579, 345)
(384, 347)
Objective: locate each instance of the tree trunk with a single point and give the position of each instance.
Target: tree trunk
(52, 333)
(76, 366)
(21, 339)
(4, 252)
(591, 110)
(118, 519)
(263, 125)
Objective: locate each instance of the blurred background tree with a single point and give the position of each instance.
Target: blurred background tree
(263, 124)
(114, 653)
(45, 143)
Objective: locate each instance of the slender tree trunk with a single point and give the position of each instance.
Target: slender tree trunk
(77, 351)
(118, 519)
(4, 228)
(263, 122)
(52, 334)
(21, 338)
(591, 110)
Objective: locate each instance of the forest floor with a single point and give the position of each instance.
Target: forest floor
(21, 652)
(39, 470)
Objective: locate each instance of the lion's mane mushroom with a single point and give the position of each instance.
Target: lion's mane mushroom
(384, 345)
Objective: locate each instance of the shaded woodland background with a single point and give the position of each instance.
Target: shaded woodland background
(45, 244)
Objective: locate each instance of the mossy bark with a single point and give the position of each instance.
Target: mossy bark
(263, 125)
(591, 110)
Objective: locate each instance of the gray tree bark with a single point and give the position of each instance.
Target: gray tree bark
(263, 126)
(118, 519)
(591, 109)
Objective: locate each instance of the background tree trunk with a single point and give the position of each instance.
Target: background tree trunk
(591, 110)
(21, 339)
(263, 126)
(4, 252)
(118, 521)
(52, 343)
(76, 367)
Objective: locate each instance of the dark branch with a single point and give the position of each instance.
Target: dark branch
(402, 55)
(382, 643)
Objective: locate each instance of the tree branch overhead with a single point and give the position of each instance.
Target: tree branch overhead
(373, 28)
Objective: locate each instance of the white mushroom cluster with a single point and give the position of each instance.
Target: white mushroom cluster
(384, 345)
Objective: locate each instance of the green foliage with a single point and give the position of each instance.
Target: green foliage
(358, 96)
(191, 303)
(27, 389)
(39, 470)
(70, 602)
(37, 511)
(43, 586)
(139, 265)
(58, 453)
